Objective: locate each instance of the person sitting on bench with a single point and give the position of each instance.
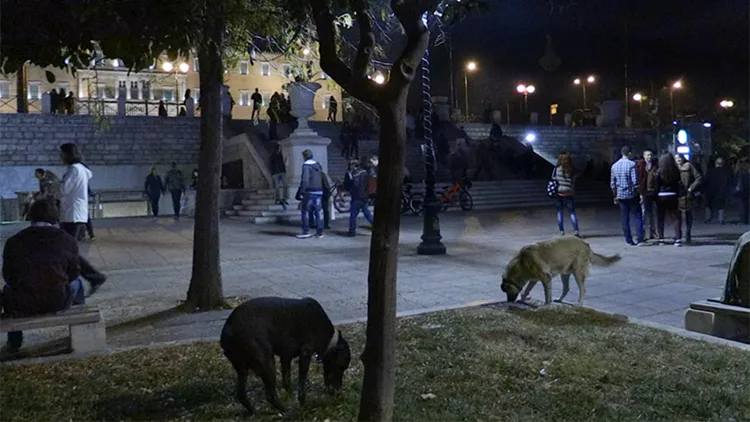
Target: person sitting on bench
(41, 268)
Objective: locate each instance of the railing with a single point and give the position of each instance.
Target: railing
(104, 107)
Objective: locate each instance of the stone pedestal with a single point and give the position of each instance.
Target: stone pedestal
(302, 96)
(46, 103)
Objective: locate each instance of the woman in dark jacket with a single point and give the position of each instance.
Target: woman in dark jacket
(669, 186)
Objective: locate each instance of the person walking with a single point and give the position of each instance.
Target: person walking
(310, 194)
(565, 175)
(344, 137)
(718, 190)
(647, 175)
(326, 202)
(175, 184)
(278, 174)
(74, 189)
(356, 183)
(257, 101)
(691, 179)
(153, 189)
(624, 184)
(333, 108)
(668, 186)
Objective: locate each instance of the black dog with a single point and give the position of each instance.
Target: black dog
(266, 326)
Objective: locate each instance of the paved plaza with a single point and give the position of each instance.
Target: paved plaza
(149, 264)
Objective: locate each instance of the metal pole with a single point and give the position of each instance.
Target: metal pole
(526, 102)
(431, 244)
(466, 92)
(671, 102)
(583, 84)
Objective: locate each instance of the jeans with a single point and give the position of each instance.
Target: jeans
(325, 200)
(648, 207)
(688, 224)
(154, 199)
(312, 203)
(627, 207)
(669, 205)
(90, 228)
(15, 338)
(563, 202)
(279, 186)
(73, 229)
(358, 205)
(176, 201)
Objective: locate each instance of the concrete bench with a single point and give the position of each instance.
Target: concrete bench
(718, 319)
(87, 330)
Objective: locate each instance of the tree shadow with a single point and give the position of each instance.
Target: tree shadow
(165, 404)
(278, 233)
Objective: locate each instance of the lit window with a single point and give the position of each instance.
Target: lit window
(265, 69)
(244, 68)
(195, 65)
(286, 70)
(146, 90)
(4, 89)
(324, 103)
(245, 98)
(35, 91)
(168, 94)
(64, 86)
(266, 96)
(323, 75)
(196, 95)
(134, 92)
(101, 91)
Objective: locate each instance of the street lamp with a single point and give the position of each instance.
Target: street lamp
(577, 81)
(676, 85)
(637, 97)
(470, 67)
(726, 104)
(167, 66)
(379, 79)
(526, 90)
(306, 51)
(184, 67)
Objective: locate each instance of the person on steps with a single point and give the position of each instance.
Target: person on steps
(175, 183)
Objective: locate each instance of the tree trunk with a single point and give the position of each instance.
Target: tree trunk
(205, 290)
(379, 356)
(22, 103)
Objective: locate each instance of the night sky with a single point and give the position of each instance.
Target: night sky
(704, 43)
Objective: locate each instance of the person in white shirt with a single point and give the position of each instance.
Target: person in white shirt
(74, 202)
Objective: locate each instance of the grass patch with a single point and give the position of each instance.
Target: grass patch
(480, 364)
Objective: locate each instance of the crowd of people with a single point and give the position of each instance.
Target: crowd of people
(649, 191)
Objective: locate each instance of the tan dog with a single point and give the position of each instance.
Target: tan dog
(541, 261)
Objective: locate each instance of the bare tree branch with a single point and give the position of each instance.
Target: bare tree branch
(329, 59)
(366, 41)
(409, 13)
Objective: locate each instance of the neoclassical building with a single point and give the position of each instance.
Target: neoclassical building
(166, 81)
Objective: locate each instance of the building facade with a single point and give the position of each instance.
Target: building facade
(97, 86)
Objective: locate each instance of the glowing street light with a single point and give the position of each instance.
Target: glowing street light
(637, 97)
(526, 90)
(379, 79)
(470, 67)
(306, 51)
(577, 81)
(184, 67)
(676, 85)
(726, 104)
(167, 66)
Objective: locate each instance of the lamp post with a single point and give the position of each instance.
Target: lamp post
(470, 67)
(577, 81)
(431, 238)
(675, 86)
(526, 90)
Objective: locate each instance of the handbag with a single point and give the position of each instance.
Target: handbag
(552, 187)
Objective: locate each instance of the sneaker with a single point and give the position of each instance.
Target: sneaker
(304, 236)
(678, 243)
(641, 243)
(562, 233)
(576, 234)
(661, 242)
(319, 235)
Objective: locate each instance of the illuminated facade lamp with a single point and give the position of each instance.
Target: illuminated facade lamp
(707, 125)
(184, 67)
(682, 137)
(306, 51)
(530, 137)
(167, 66)
(379, 79)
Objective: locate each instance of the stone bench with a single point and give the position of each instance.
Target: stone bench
(87, 330)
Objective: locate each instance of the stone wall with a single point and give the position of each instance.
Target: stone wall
(34, 139)
(585, 143)
(120, 154)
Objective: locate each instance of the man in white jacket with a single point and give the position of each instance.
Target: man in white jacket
(74, 202)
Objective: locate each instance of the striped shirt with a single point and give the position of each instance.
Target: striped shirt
(624, 179)
(565, 182)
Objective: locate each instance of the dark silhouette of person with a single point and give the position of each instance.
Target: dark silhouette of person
(257, 101)
(332, 109)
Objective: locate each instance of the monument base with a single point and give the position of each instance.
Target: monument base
(720, 320)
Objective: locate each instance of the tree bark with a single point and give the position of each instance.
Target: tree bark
(379, 356)
(22, 103)
(205, 291)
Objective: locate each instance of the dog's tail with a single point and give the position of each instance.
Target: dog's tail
(603, 261)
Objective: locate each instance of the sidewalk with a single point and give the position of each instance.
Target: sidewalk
(149, 267)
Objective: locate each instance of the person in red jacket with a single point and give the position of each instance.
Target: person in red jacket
(41, 269)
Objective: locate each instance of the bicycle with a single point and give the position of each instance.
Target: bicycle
(411, 201)
(342, 199)
(448, 197)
